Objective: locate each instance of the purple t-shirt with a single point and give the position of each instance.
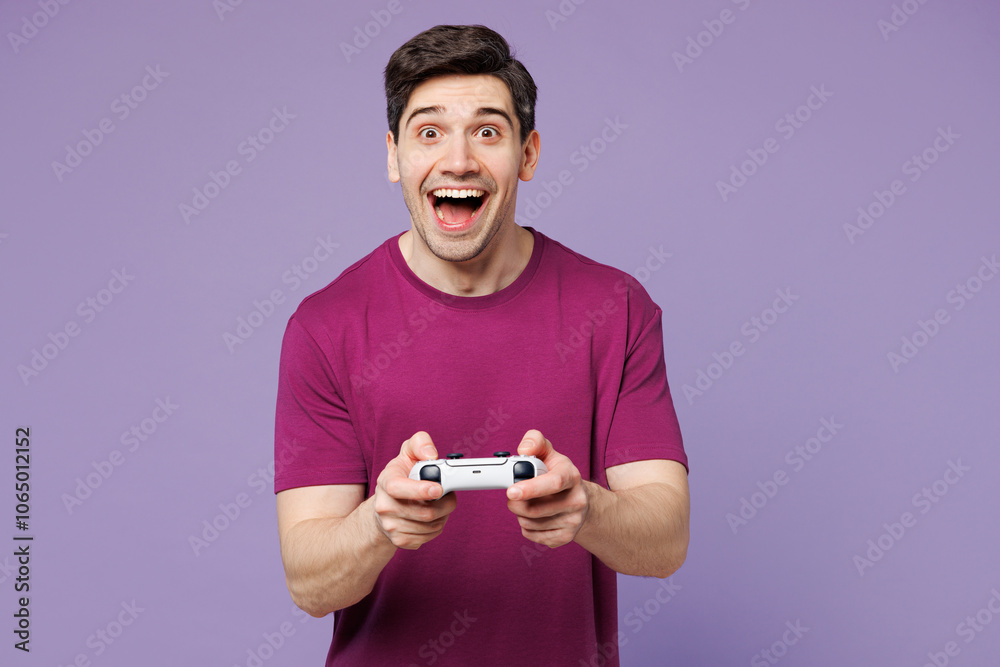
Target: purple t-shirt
(572, 348)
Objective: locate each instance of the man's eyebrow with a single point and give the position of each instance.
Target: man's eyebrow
(422, 110)
(481, 111)
(492, 111)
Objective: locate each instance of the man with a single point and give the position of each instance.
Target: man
(470, 334)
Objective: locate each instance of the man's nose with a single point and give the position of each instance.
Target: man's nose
(460, 158)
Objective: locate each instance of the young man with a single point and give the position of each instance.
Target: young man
(470, 334)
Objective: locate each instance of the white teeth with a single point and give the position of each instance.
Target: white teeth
(457, 194)
(454, 194)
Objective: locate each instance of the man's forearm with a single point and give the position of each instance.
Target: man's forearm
(641, 530)
(333, 563)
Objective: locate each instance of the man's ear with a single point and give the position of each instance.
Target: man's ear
(529, 156)
(391, 161)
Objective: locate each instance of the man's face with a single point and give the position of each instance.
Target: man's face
(458, 160)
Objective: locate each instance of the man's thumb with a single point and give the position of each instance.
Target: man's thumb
(420, 447)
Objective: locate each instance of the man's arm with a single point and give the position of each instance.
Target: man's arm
(334, 543)
(639, 526)
(330, 546)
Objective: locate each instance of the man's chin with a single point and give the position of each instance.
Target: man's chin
(458, 246)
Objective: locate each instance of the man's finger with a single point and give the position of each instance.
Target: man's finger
(404, 488)
(420, 447)
(533, 443)
(547, 484)
(539, 508)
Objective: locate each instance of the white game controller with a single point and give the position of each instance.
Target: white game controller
(458, 474)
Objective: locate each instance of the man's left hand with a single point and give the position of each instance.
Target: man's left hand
(553, 507)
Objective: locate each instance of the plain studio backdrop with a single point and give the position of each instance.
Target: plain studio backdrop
(806, 189)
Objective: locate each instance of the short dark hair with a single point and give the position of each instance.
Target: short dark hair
(457, 49)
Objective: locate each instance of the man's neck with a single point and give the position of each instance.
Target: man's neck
(495, 268)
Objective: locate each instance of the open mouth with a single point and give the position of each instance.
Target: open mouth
(457, 208)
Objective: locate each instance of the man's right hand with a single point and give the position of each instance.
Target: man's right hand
(411, 512)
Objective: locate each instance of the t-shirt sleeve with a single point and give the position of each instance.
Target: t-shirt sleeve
(644, 425)
(314, 439)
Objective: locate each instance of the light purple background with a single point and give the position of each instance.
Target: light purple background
(655, 185)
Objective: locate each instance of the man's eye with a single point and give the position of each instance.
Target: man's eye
(488, 133)
(429, 133)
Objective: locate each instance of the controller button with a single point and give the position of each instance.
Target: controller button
(430, 474)
(455, 456)
(523, 470)
(501, 454)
